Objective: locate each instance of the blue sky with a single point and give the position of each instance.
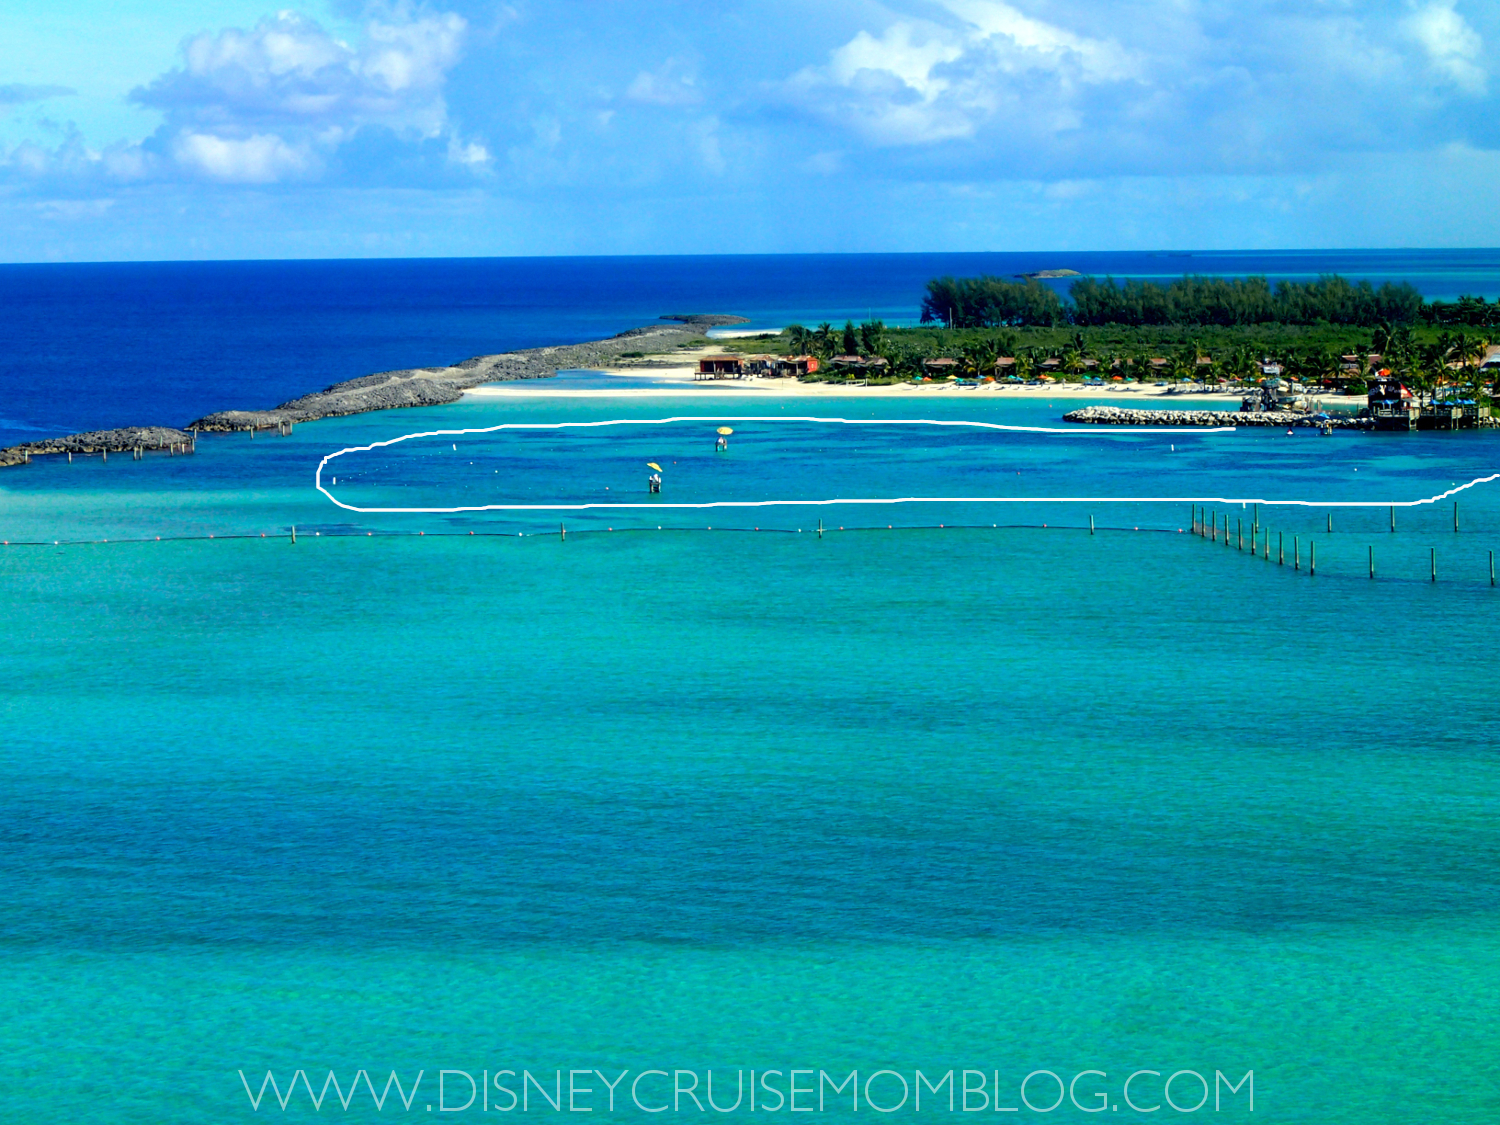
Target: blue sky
(172, 129)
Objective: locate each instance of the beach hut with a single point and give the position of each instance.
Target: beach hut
(795, 366)
(720, 366)
(940, 367)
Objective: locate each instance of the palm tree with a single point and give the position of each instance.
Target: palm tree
(799, 339)
(1072, 359)
(978, 359)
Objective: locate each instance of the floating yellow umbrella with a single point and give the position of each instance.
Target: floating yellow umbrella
(725, 430)
(653, 465)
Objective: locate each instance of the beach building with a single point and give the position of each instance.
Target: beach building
(1391, 405)
(795, 366)
(760, 364)
(941, 367)
(720, 366)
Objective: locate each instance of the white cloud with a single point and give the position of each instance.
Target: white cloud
(671, 84)
(920, 81)
(262, 158)
(276, 101)
(1453, 48)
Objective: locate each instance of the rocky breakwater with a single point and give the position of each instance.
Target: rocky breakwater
(128, 439)
(1132, 416)
(420, 386)
(434, 386)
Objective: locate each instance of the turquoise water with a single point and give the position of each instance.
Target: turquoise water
(1008, 798)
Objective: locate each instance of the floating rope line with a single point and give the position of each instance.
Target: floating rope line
(1072, 431)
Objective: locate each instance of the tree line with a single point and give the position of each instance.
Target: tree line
(1449, 360)
(992, 302)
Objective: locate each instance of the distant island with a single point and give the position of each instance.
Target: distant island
(1043, 275)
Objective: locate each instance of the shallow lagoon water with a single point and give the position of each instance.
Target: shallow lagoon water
(1010, 798)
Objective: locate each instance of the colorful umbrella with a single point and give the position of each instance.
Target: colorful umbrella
(725, 430)
(653, 465)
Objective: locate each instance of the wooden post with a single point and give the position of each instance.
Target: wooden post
(1455, 517)
(1372, 562)
(1280, 550)
(1091, 523)
(1239, 535)
(1213, 527)
(563, 531)
(1330, 522)
(1393, 517)
(104, 453)
(70, 456)
(1255, 526)
(1492, 568)
(294, 533)
(1312, 558)
(1296, 552)
(1432, 559)
(1226, 529)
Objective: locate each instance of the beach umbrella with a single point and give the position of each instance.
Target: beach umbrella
(725, 430)
(653, 465)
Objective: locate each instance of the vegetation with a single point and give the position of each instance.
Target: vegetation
(980, 302)
(1426, 358)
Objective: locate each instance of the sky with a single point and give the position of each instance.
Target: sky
(166, 129)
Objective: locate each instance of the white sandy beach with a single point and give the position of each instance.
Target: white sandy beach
(678, 380)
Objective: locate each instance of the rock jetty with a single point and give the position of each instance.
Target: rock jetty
(1131, 416)
(434, 386)
(420, 386)
(127, 439)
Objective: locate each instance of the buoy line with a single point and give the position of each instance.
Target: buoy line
(1071, 431)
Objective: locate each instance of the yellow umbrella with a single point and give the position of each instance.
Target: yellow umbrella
(725, 430)
(653, 465)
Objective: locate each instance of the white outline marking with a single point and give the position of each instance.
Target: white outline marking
(1120, 431)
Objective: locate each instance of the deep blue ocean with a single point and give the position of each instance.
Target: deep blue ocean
(94, 346)
(1096, 820)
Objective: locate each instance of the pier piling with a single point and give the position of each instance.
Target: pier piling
(1296, 552)
(1455, 517)
(562, 531)
(1280, 550)
(1492, 568)
(294, 533)
(1239, 535)
(1393, 517)
(1255, 522)
(820, 529)
(1432, 560)
(1330, 523)
(1372, 562)
(1312, 559)
(1091, 523)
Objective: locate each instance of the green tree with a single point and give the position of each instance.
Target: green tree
(851, 339)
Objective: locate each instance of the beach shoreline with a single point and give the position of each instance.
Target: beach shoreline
(682, 378)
